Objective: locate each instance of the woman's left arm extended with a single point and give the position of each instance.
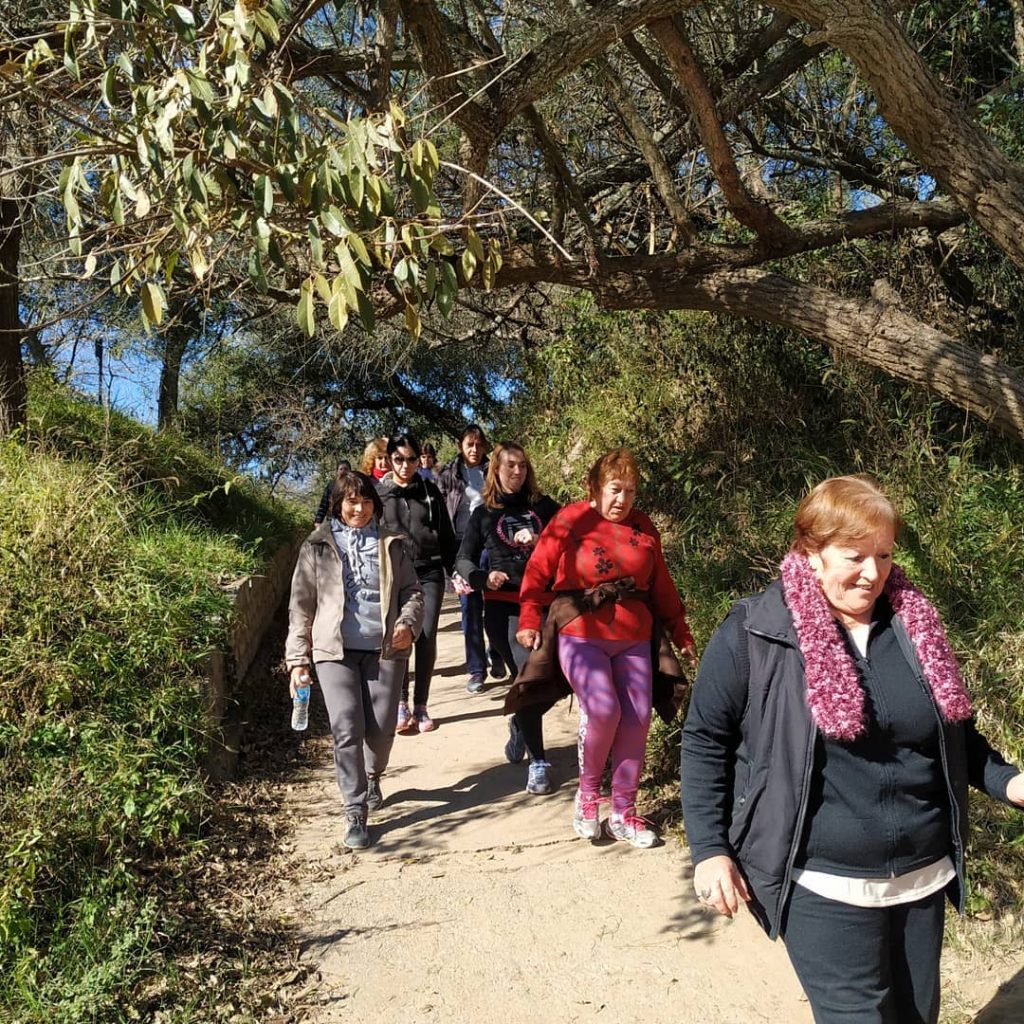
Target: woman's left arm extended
(990, 772)
(410, 599)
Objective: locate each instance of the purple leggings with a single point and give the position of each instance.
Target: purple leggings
(612, 679)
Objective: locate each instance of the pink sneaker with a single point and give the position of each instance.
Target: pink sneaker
(586, 821)
(423, 721)
(405, 724)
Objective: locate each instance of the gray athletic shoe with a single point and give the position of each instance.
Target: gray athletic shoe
(515, 748)
(475, 684)
(538, 781)
(357, 837)
(374, 797)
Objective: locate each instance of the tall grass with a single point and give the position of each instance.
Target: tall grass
(112, 544)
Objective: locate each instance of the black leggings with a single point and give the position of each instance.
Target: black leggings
(432, 582)
(501, 623)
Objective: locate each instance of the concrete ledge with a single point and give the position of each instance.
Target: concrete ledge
(256, 599)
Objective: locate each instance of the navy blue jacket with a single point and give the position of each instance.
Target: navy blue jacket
(748, 754)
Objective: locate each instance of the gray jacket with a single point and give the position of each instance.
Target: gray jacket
(748, 754)
(317, 600)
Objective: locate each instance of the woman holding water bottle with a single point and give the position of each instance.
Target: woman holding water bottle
(356, 607)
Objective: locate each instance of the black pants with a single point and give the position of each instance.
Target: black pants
(501, 623)
(866, 965)
(432, 581)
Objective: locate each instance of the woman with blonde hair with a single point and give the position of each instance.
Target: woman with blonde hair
(608, 554)
(826, 757)
(496, 547)
(375, 462)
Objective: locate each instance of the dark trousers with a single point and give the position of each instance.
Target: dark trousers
(473, 633)
(432, 582)
(866, 965)
(501, 622)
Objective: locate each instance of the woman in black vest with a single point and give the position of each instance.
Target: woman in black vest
(826, 757)
(414, 508)
(499, 539)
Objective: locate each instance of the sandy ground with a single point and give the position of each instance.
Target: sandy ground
(476, 901)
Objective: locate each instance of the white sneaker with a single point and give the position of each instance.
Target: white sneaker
(631, 828)
(586, 821)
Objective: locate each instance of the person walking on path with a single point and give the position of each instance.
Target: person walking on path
(374, 462)
(428, 460)
(356, 607)
(462, 484)
(413, 506)
(826, 758)
(605, 652)
(325, 499)
(495, 549)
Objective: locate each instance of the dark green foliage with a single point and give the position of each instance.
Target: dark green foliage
(731, 431)
(112, 543)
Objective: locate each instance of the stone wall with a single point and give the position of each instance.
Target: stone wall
(256, 600)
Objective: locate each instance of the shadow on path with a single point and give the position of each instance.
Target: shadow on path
(1007, 1005)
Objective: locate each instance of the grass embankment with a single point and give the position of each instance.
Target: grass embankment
(112, 542)
(732, 431)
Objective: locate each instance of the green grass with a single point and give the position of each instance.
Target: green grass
(112, 543)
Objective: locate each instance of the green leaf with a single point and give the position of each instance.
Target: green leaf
(323, 289)
(450, 278)
(337, 311)
(355, 186)
(108, 87)
(366, 314)
(358, 247)
(476, 247)
(468, 265)
(256, 272)
(334, 220)
(304, 311)
(413, 324)
(199, 86)
(263, 193)
(153, 302)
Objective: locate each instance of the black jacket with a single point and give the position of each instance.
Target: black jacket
(418, 512)
(748, 754)
(484, 534)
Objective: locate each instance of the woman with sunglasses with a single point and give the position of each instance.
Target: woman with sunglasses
(414, 508)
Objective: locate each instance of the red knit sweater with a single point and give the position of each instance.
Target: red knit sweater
(579, 548)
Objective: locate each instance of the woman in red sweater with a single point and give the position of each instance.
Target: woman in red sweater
(606, 653)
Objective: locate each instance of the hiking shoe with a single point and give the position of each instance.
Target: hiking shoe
(538, 780)
(631, 828)
(475, 684)
(515, 748)
(586, 822)
(405, 720)
(357, 837)
(374, 797)
(423, 721)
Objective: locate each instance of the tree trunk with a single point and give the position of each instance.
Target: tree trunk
(12, 370)
(916, 106)
(176, 339)
(869, 331)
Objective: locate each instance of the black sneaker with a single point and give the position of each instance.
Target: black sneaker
(357, 837)
(498, 669)
(515, 748)
(374, 797)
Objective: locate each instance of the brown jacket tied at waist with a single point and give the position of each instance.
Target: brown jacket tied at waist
(542, 679)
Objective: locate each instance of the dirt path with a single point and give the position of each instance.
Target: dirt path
(477, 902)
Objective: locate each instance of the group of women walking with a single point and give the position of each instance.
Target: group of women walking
(829, 741)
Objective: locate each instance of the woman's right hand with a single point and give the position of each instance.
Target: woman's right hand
(496, 579)
(719, 884)
(528, 638)
(299, 676)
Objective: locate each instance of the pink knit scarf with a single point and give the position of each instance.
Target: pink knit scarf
(834, 693)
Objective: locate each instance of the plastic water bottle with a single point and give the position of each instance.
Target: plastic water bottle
(300, 704)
